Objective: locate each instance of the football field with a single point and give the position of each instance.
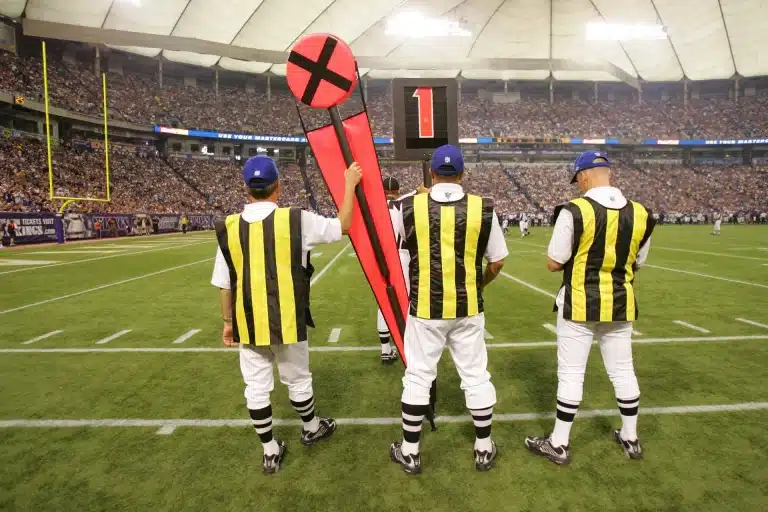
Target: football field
(117, 393)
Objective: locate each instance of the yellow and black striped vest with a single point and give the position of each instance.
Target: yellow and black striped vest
(599, 277)
(446, 242)
(270, 286)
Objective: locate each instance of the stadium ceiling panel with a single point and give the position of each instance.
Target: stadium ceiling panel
(748, 32)
(498, 39)
(697, 32)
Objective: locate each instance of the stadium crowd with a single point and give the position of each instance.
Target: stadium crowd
(138, 98)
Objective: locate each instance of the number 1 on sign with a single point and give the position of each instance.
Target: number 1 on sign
(426, 112)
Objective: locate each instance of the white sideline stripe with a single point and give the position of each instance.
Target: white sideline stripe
(102, 287)
(487, 335)
(656, 247)
(517, 344)
(113, 337)
(186, 336)
(18, 263)
(737, 281)
(752, 322)
(529, 285)
(691, 326)
(325, 268)
(167, 426)
(636, 332)
(93, 251)
(335, 334)
(42, 337)
(550, 328)
(104, 257)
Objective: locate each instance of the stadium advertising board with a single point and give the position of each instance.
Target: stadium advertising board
(31, 228)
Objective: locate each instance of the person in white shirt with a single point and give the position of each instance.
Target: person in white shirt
(262, 271)
(718, 220)
(447, 234)
(599, 241)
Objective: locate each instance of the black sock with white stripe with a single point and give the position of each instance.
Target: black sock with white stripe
(306, 409)
(386, 348)
(482, 419)
(566, 412)
(262, 423)
(628, 408)
(413, 417)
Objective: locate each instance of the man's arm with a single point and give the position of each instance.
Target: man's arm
(561, 245)
(352, 177)
(495, 252)
(227, 334)
(491, 271)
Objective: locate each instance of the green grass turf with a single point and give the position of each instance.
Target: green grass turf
(712, 461)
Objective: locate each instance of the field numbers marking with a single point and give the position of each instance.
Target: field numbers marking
(335, 334)
(186, 336)
(42, 337)
(752, 322)
(691, 326)
(113, 337)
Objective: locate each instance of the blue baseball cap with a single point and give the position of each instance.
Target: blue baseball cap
(588, 160)
(447, 161)
(260, 172)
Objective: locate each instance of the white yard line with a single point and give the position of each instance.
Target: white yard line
(335, 335)
(551, 328)
(19, 263)
(186, 336)
(691, 326)
(42, 337)
(317, 254)
(521, 344)
(325, 268)
(106, 250)
(752, 322)
(487, 335)
(113, 337)
(529, 285)
(636, 332)
(709, 276)
(116, 283)
(656, 248)
(103, 257)
(167, 426)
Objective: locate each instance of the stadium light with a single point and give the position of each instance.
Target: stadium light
(602, 31)
(415, 24)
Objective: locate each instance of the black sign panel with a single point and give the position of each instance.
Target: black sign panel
(425, 116)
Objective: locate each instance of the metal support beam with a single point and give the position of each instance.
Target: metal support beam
(160, 71)
(97, 63)
(269, 88)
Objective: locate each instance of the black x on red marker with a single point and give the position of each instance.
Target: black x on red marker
(319, 71)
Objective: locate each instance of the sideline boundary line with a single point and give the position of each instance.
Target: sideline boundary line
(167, 426)
(516, 344)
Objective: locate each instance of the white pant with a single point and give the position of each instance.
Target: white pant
(292, 363)
(717, 225)
(523, 226)
(381, 324)
(574, 340)
(424, 343)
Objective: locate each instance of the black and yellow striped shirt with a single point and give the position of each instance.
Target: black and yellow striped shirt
(446, 241)
(270, 286)
(599, 277)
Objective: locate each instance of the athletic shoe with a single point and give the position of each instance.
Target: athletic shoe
(388, 359)
(484, 460)
(326, 429)
(632, 449)
(411, 464)
(560, 455)
(272, 462)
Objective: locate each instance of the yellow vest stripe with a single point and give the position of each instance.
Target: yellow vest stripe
(609, 261)
(474, 224)
(421, 219)
(638, 231)
(578, 293)
(448, 259)
(285, 275)
(233, 240)
(258, 284)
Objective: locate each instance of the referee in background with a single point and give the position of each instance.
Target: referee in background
(599, 241)
(447, 233)
(263, 272)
